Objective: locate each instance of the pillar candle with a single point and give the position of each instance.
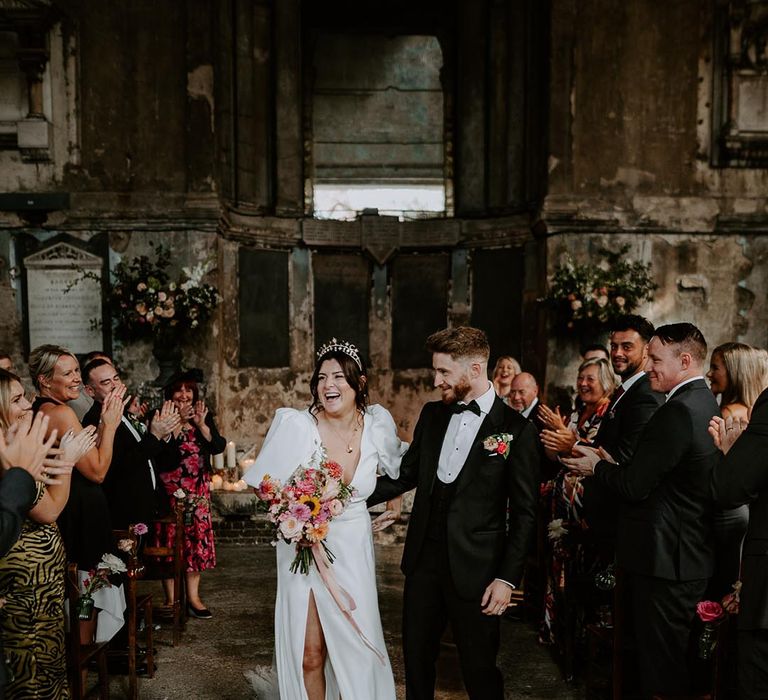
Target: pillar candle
(245, 465)
(218, 461)
(231, 455)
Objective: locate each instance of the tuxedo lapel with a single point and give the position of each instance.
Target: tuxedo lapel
(489, 426)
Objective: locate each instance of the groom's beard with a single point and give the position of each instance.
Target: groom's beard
(457, 392)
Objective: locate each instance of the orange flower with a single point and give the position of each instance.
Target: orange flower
(318, 533)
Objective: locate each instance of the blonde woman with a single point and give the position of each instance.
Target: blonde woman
(506, 369)
(738, 373)
(32, 571)
(85, 523)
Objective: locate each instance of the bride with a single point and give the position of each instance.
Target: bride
(319, 653)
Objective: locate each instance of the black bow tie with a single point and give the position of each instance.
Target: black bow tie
(461, 407)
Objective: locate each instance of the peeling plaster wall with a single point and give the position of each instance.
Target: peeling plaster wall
(630, 138)
(714, 281)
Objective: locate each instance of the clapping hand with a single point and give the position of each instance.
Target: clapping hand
(725, 431)
(137, 409)
(72, 447)
(113, 406)
(552, 419)
(560, 441)
(199, 412)
(165, 421)
(584, 459)
(25, 446)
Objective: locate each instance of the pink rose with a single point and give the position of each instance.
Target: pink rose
(709, 611)
(336, 507)
(291, 528)
(140, 529)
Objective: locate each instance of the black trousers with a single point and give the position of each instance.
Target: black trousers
(753, 665)
(430, 603)
(663, 613)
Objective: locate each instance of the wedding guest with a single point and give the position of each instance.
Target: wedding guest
(566, 610)
(132, 487)
(738, 374)
(85, 523)
(740, 478)
(187, 467)
(631, 407)
(596, 351)
(32, 570)
(505, 370)
(664, 539)
(594, 385)
(524, 395)
(6, 362)
(83, 403)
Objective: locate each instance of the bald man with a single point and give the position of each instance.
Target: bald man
(524, 394)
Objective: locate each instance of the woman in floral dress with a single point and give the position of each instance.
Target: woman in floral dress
(571, 598)
(188, 470)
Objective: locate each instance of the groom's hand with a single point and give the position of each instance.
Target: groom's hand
(496, 598)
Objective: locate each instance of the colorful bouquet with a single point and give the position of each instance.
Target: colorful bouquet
(146, 302)
(589, 296)
(302, 509)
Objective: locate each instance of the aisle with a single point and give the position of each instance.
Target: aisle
(210, 661)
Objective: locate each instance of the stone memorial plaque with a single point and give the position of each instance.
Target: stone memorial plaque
(63, 307)
(331, 233)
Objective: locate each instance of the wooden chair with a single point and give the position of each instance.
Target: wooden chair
(80, 655)
(134, 604)
(168, 562)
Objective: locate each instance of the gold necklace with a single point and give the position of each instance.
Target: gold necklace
(348, 443)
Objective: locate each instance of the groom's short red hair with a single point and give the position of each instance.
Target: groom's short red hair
(461, 342)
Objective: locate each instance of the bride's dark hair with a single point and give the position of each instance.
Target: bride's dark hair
(354, 375)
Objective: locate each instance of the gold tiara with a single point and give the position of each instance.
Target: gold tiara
(341, 346)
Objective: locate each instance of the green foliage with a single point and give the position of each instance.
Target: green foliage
(147, 303)
(588, 297)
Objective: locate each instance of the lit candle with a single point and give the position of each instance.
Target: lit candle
(216, 482)
(245, 465)
(240, 485)
(218, 461)
(229, 486)
(231, 455)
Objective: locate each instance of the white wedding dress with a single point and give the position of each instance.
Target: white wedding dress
(353, 671)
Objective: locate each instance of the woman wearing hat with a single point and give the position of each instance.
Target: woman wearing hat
(188, 468)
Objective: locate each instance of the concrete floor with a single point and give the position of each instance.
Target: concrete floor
(214, 654)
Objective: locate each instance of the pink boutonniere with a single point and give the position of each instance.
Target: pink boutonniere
(498, 444)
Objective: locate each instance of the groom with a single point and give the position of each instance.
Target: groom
(474, 462)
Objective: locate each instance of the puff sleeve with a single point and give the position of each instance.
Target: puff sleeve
(389, 446)
(290, 442)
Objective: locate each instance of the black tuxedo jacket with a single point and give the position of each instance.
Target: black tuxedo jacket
(665, 526)
(619, 433)
(486, 538)
(128, 483)
(741, 477)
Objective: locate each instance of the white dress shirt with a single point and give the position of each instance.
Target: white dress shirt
(526, 412)
(626, 384)
(459, 436)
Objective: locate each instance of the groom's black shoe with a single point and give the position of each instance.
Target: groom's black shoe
(200, 614)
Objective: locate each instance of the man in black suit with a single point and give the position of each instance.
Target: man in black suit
(741, 477)
(131, 485)
(474, 463)
(632, 405)
(665, 529)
